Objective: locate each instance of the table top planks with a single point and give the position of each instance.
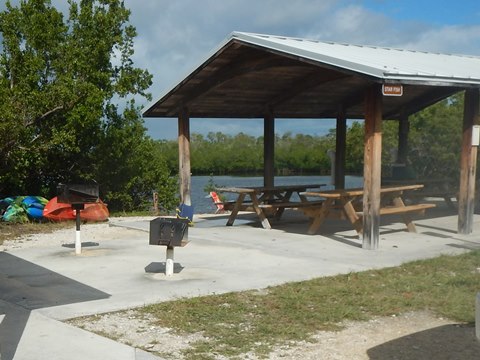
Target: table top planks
(337, 194)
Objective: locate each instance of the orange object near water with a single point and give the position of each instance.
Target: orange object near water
(56, 211)
(218, 202)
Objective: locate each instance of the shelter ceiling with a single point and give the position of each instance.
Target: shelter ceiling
(243, 80)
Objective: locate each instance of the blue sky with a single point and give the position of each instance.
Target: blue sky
(175, 36)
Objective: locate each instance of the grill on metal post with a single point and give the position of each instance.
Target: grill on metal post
(169, 232)
(77, 195)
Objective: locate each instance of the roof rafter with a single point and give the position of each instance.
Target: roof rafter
(240, 67)
(302, 85)
(248, 73)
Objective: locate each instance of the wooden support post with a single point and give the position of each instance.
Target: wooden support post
(403, 129)
(468, 161)
(372, 167)
(184, 156)
(340, 149)
(268, 149)
(155, 203)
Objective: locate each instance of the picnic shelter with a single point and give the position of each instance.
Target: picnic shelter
(273, 77)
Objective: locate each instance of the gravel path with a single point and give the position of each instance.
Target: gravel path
(418, 335)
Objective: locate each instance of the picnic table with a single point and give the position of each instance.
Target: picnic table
(347, 204)
(266, 200)
(434, 188)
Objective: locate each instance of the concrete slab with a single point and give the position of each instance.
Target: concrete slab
(27, 335)
(43, 284)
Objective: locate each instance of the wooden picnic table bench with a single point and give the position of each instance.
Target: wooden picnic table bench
(277, 206)
(445, 189)
(263, 199)
(346, 204)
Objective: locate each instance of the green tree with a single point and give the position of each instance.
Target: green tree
(130, 172)
(246, 154)
(59, 79)
(435, 139)
(355, 148)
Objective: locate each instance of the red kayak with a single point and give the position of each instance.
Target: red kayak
(56, 211)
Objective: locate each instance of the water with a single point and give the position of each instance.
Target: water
(203, 203)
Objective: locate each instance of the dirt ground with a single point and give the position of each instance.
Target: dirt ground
(419, 335)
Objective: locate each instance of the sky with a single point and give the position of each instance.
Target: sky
(174, 37)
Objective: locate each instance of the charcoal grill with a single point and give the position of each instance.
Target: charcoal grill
(77, 195)
(169, 232)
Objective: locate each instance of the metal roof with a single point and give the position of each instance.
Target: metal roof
(298, 78)
(380, 62)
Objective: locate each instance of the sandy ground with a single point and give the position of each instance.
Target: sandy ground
(419, 335)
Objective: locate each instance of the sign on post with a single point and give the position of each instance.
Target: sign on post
(392, 90)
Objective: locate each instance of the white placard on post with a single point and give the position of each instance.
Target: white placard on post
(476, 135)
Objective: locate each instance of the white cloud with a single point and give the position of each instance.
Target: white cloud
(175, 36)
(184, 32)
(448, 39)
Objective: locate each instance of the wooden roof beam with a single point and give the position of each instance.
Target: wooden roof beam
(240, 67)
(420, 103)
(303, 85)
(353, 98)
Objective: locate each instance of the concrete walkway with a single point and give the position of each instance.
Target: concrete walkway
(40, 286)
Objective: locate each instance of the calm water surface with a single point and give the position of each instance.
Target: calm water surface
(204, 204)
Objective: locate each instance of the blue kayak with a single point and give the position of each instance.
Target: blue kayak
(15, 213)
(22, 208)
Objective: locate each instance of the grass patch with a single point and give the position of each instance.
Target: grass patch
(131, 213)
(236, 323)
(13, 231)
(141, 213)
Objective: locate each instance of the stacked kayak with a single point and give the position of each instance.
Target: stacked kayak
(22, 208)
(57, 211)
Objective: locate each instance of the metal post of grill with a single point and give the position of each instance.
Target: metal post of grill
(77, 195)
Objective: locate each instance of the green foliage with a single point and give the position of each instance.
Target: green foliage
(303, 154)
(58, 78)
(210, 185)
(132, 169)
(219, 154)
(435, 139)
(434, 148)
(354, 148)
(226, 154)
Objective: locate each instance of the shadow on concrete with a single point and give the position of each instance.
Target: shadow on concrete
(11, 330)
(84, 244)
(221, 220)
(467, 245)
(26, 287)
(437, 228)
(347, 240)
(440, 343)
(159, 268)
(340, 230)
